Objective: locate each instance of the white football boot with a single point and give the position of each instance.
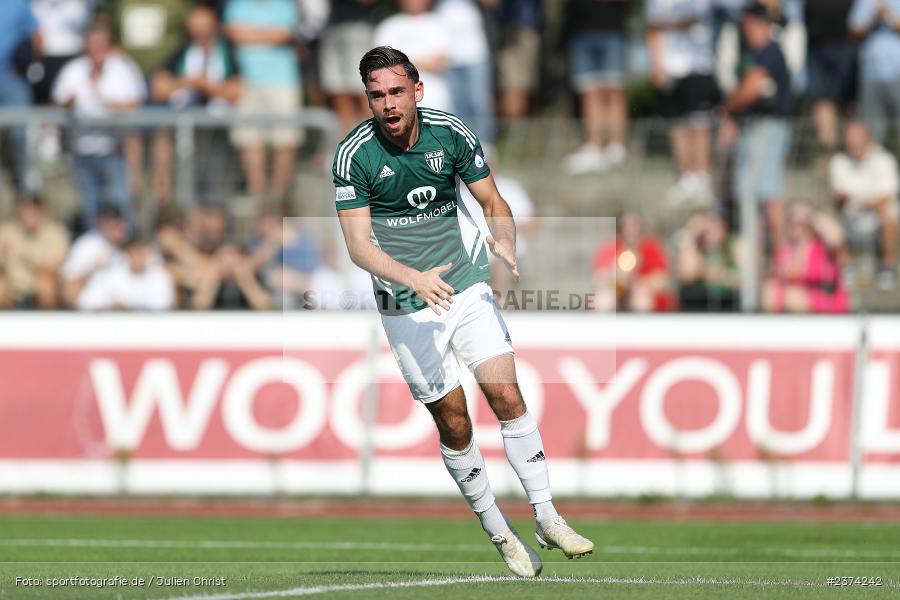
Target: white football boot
(519, 557)
(558, 535)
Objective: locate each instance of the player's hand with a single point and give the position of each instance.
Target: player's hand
(436, 292)
(505, 252)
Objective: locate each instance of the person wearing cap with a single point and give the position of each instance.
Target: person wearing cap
(760, 105)
(32, 249)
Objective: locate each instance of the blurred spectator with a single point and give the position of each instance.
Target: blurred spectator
(140, 282)
(63, 24)
(631, 273)
(330, 289)
(202, 72)
(208, 227)
(181, 259)
(263, 32)
(831, 65)
(288, 255)
(708, 265)
(682, 64)
(877, 24)
(93, 251)
(98, 84)
(32, 249)
(18, 24)
(346, 38)
(864, 183)
(470, 72)
(807, 275)
(518, 63)
(327, 290)
(229, 282)
(419, 32)
(217, 273)
(148, 32)
(787, 30)
(596, 35)
(761, 103)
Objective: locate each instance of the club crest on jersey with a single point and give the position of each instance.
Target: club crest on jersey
(435, 160)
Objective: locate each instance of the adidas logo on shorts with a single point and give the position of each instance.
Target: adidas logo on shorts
(537, 457)
(471, 476)
(386, 172)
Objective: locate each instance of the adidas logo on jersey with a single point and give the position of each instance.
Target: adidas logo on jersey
(386, 172)
(471, 476)
(537, 457)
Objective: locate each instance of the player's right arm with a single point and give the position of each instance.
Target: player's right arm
(356, 223)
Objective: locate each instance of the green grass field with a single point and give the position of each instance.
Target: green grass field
(396, 558)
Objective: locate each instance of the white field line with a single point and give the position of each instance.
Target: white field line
(354, 587)
(242, 545)
(808, 553)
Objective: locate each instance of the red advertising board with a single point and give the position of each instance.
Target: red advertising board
(746, 405)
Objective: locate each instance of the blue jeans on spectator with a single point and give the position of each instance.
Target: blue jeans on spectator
(597, 58)
(15, 93)
(471, 87)
(102, 180)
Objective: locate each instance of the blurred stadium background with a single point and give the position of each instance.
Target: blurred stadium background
(706, 324)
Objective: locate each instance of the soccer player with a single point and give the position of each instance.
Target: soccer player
(395, 178)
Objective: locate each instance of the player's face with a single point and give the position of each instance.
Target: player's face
(392, 97)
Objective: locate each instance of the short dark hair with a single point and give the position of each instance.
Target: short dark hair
(108, 210)
(385, 57)
(30, 200)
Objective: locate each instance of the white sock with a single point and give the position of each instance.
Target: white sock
(525, 452)
(544, 511)
(492, 520)
(468, 471)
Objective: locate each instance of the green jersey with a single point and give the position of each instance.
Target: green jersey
(413, 200)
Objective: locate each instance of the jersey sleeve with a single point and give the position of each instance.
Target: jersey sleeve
(351, 185)
(469, 161)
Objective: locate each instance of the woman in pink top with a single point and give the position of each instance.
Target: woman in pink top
(807, 276)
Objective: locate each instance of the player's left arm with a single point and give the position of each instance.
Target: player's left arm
(502, 240)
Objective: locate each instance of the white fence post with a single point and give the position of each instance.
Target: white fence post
(859, 376)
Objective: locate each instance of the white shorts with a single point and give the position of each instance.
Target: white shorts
(429, 347)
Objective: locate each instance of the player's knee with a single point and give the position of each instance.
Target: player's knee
(507, 403)
(456, 430)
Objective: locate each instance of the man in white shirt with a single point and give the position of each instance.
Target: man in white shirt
(97, 85)
(421, 34)
(93, 251)
(139, 283)
(63, 24)
(864, 183)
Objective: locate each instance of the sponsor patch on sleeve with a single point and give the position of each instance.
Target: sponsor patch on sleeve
(347, 192)
(479, 158)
